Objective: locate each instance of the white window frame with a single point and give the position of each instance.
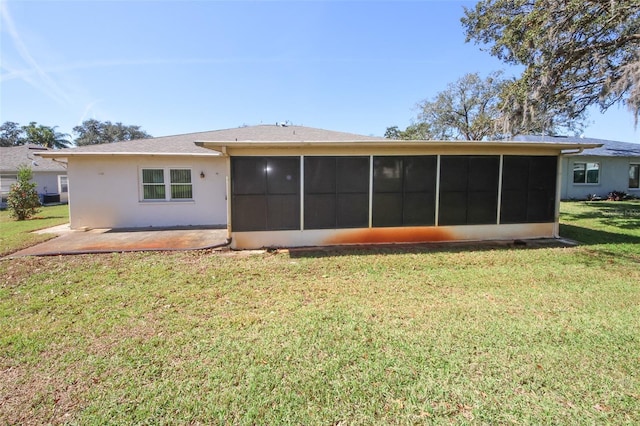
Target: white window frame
(586, 172)
(638, 166)
(60, 184)
(166, 177)
(6, 180)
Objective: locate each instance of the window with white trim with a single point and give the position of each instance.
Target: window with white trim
(63, 184)
(166, 184)
(634, 176)
(6, 181)
(586, 173)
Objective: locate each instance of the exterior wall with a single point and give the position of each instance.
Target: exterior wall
(426, 234)
(105, 192)
(614, 176)
(48, 184)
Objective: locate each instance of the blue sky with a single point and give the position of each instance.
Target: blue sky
(185, 66)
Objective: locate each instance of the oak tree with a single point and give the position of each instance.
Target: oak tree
(473, 108)
(575, 53)
(93, 132)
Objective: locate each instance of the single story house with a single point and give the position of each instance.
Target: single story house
(614, 166)
(49, 175)
(275, 186)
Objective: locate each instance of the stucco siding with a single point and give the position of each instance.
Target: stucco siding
(108, 191)
(47, 183)
(614, 176)
(430, 234)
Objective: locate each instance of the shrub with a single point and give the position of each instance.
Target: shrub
(23, 201)
(617, 196)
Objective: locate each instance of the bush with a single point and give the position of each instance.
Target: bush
(617, 196)
(23, 201)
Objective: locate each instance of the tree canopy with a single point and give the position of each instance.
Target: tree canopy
(12, 134)
(45, 136)
(472, 108)
(415, 131)
(466, 109)
(93, 132)
(576, 53)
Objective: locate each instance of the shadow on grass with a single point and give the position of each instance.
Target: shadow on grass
(623, 215)
(606, 246)
(420, 248)
(588, 236)
(46, 217)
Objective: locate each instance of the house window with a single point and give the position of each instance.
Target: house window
(336, 192)
(156, 186)
(265, 193)
(634, 176)
(586, 173)
(181, 184)
(63, 184)
(404, 191)
(6, 181)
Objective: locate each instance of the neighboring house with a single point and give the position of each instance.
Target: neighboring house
(299, 186)
(49, 175)
(615, 166)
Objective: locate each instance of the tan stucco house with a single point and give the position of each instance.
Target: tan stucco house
(275, 185)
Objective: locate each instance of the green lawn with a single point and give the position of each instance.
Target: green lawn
(16, 235)
(476, 335)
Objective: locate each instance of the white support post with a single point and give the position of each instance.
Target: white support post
(556, 216)
(302, 192)
(500, 188)
(371, 191)
(437, 219)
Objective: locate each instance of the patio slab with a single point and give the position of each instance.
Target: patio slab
(125, 240)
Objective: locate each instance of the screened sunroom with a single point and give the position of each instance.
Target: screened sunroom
(326, 193)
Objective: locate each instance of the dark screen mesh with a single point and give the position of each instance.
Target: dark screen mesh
(336, 192)
(265, 193)
(528, 189)
(468, 189)
(404, 191)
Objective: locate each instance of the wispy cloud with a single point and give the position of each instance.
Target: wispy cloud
(87, 110)
(35, 75)
(12, 74)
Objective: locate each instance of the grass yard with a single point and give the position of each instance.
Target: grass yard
(16, 235)
(476, 335)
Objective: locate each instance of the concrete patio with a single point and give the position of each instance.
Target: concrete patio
(124, 240)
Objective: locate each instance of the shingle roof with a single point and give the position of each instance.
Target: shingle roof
(271, 133)
(178, 144)
(608, 148)
(13, 157)
(185, 144)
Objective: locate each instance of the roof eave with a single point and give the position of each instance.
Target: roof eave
(126, 154)
(218, 145)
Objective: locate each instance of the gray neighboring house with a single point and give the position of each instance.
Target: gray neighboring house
(49, 175)
(615, 166)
